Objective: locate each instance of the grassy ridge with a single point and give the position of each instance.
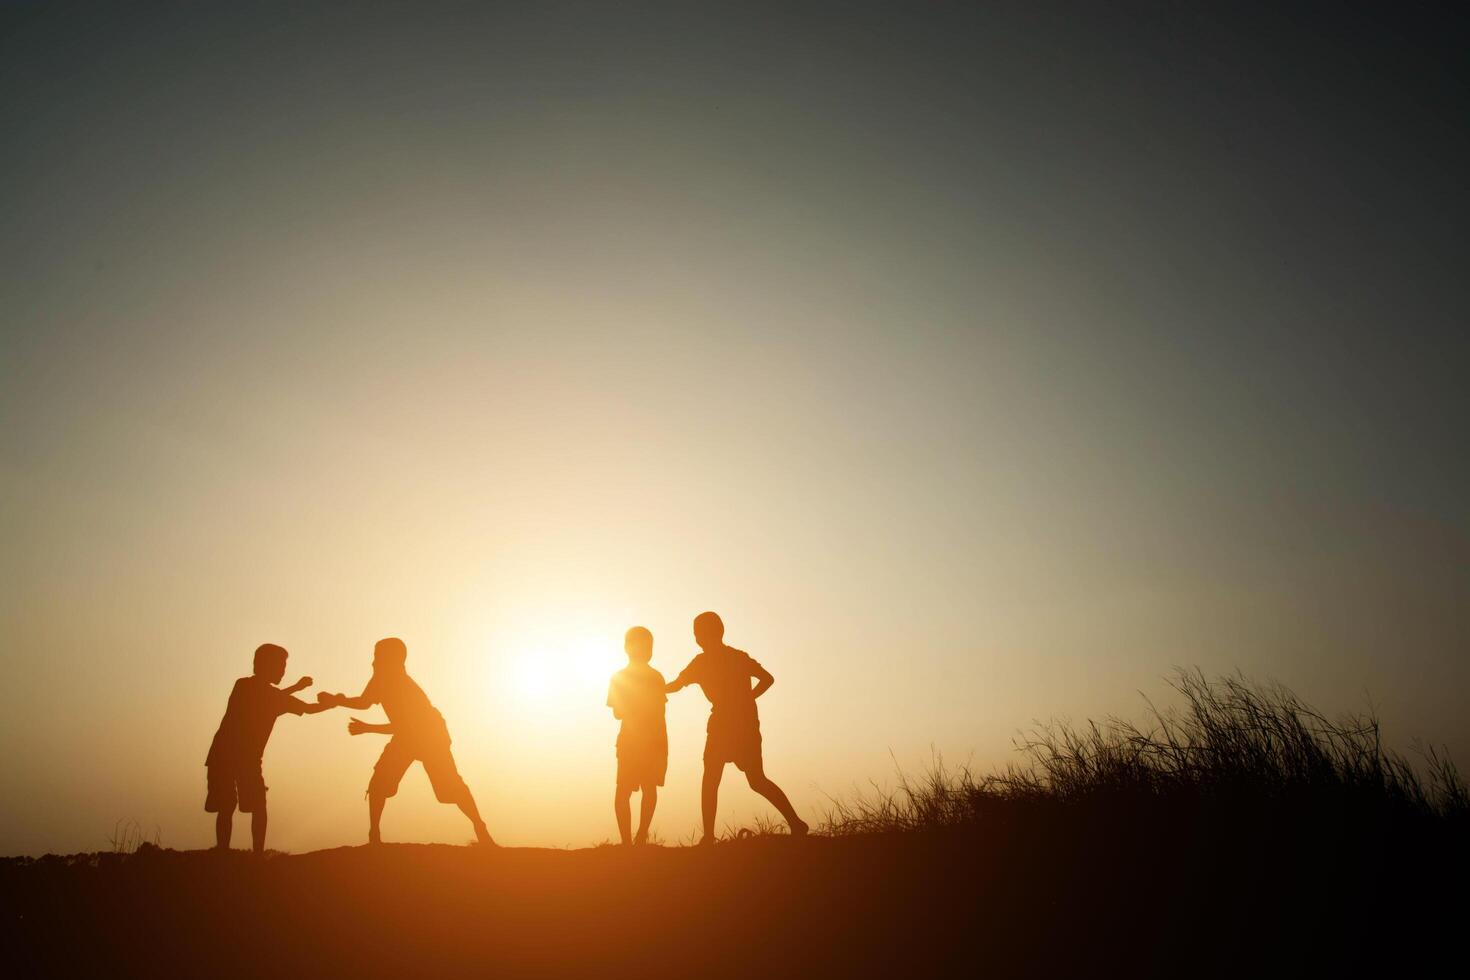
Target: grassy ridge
(1239, 832)
(1232, 748)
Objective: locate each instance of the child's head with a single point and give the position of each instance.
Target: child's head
(709, 630)
(638, 642)
(390, 652)
(270, 662)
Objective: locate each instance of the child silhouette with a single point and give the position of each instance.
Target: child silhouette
(636, 697)
(734, 731)
(419, 734)
(233, 764)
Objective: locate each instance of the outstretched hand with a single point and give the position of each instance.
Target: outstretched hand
(328, 698)
(305, 682)
(355, 727)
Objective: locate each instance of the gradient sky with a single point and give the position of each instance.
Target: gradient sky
(978, 367)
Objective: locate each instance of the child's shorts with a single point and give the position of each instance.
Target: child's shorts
(234, 787)
(740, 744)
(438, 762)
(642, 763)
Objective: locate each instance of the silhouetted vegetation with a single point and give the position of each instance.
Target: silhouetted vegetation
(1229, 748)
(1238, 828)
(128, 836)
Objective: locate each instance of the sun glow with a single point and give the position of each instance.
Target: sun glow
(550, 670)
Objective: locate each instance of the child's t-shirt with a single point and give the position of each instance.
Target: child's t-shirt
(250, 715)
(406, 705)
(637, 695)
(724, 676)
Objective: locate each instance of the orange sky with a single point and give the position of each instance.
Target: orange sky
(961, 410)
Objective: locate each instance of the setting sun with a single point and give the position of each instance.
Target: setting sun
(551, 668)
(639, 489)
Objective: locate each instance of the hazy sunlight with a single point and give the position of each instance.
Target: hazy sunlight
(559, 669)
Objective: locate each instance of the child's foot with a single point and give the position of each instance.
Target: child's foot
(640, 839)
(482, 836)
(374, 838)
(708, 840)
(799, 828)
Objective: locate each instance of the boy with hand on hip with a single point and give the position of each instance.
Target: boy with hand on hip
(724, 674)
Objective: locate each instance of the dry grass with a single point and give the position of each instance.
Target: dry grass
(127, 837)
(1230, 746)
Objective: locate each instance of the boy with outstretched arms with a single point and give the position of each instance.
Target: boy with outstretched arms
(734, 732)
(418, 734)
(636, 697)
(233, 764)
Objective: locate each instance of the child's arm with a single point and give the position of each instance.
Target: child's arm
(614, 699)
(680, 682)
(355, 727)
(343, 701)
(291, 704)
(763, 679)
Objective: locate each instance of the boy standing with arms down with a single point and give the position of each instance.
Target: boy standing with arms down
(724, 674)
(636, 697)
(418, 731)
(233, 763)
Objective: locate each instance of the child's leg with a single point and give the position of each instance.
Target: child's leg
(468, 808)
(224, 825)
(762, 784)
(251, 800)
(387, 772)
(375, 817)
(645, 810)
(222, 800)
(257, 829)
(709, 797)
(623, 811)
(450, 787)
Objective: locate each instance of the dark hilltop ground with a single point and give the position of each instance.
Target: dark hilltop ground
(1243, 835)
